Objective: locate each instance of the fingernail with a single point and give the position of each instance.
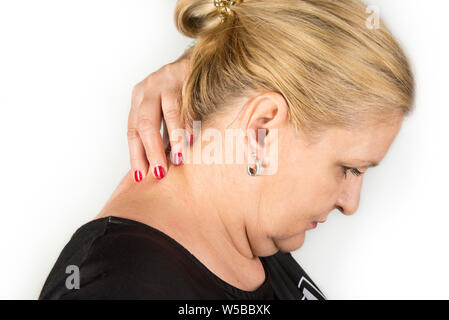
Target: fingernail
(178, 159)
(191, 139)
(137, 175)
(159, 172)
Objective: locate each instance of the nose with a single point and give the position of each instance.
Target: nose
(349, 196)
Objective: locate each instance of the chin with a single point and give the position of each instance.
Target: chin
(292, 243)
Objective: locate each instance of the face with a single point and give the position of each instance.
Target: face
(315, 178)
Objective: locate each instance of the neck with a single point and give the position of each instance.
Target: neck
(198, 204)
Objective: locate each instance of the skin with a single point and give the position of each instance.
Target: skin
(228, 219)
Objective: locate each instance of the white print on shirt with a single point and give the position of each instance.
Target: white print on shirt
(308, 290)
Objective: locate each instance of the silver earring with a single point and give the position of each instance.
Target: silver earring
(251, 171)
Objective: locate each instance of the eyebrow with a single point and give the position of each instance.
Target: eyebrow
(371, 164)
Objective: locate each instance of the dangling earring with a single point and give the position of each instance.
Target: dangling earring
(251, 171)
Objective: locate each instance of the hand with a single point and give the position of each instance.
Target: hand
(157, 95)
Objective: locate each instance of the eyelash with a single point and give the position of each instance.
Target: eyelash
(354, 171)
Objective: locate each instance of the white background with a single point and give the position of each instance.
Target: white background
(66, 73)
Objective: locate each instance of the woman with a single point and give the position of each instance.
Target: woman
(329, 95)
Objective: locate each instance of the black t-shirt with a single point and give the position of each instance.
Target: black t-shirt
(117, 258)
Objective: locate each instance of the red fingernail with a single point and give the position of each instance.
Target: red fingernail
(137, 175)
(159, 172)
(178, 159)
(191, 139)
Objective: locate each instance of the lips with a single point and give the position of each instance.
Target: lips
(314, 224)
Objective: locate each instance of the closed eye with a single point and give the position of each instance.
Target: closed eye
(354, 171)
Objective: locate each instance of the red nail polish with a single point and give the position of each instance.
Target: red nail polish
(191, 139)
(137, 175)
(178, 159)
(159, 172)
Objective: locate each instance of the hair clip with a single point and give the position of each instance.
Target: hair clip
(224, 7)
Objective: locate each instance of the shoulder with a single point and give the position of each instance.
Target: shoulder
(120, 258)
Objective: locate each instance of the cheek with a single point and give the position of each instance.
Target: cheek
(294, 223)
(315, 193)
(305, 199)
(303, 190)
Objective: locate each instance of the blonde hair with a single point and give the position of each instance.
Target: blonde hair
(319, 54)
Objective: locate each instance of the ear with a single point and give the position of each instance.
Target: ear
(261, 114)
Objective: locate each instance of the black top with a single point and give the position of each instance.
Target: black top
(117, 258)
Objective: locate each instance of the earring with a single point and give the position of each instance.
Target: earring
(254, 172)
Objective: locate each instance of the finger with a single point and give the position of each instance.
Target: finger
(177, 134)
(188, 133)
(138, 158)
(149, 126)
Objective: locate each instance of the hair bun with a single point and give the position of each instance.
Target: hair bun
(196, 18)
